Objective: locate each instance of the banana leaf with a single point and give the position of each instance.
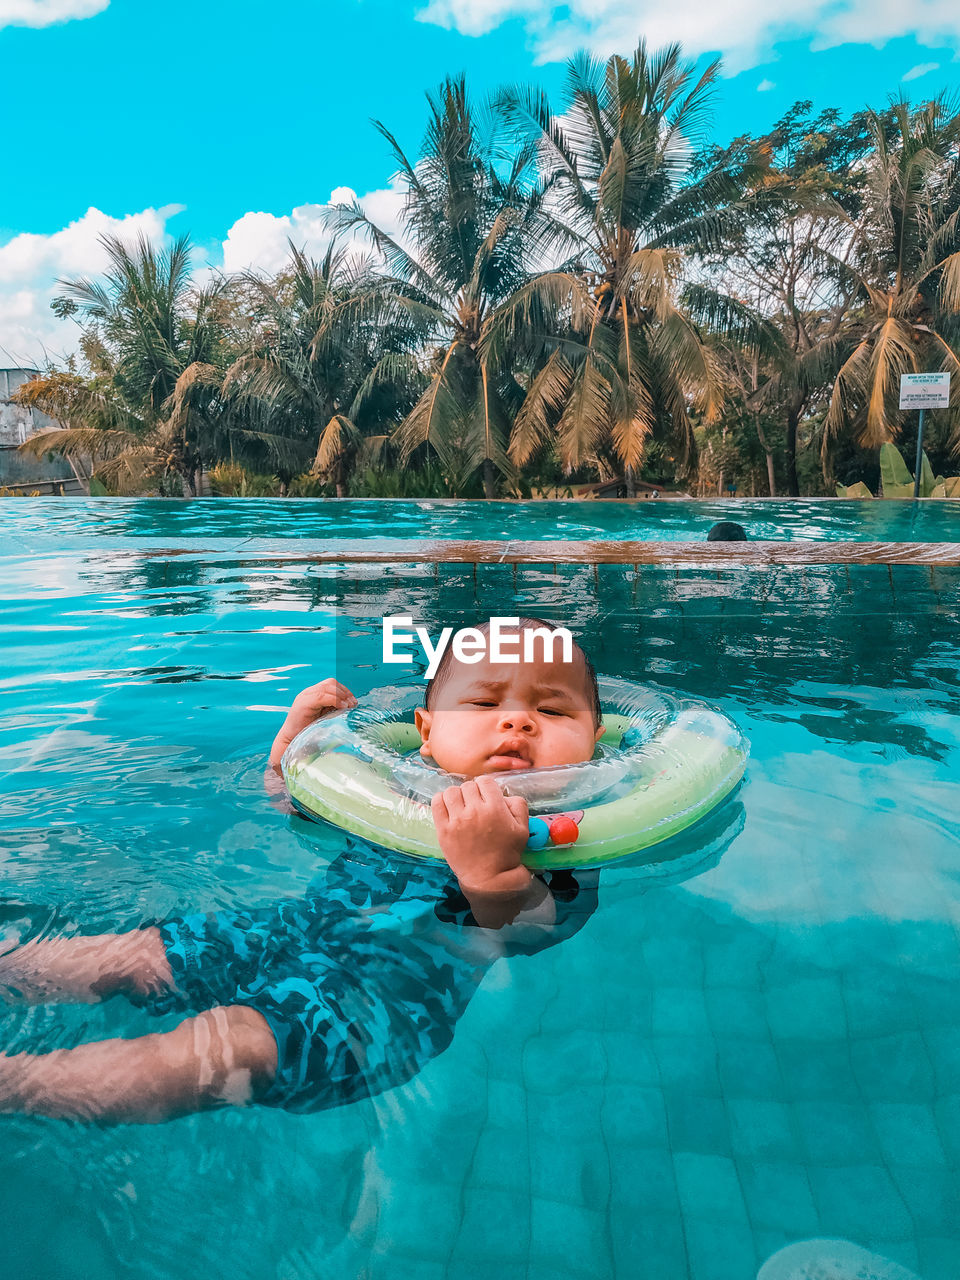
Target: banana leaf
(896, 479)
(858, 490)
(927, 482)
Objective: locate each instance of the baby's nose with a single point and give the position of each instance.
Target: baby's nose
(518, 718)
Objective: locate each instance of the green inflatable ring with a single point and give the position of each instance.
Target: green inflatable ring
(664, 764)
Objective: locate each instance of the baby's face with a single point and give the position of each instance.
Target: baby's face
(489, 717)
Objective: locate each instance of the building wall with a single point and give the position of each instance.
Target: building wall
(17, 424)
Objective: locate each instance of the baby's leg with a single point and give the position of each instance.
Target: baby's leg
(85, 970)
(227, 1054)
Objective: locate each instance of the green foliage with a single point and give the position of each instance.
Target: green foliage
(573, 295)
(427, 481)
(893, 471)
(230, 480)
(898, 482)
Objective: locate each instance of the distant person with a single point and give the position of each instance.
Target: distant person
(727, 531)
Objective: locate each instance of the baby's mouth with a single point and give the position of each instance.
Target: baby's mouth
(509, 758)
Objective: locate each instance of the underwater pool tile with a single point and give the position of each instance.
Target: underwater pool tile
(635, 1115)
(571, 1243)
(943, 1046)
(778, 1197)
(688, 1062)
(463, 1268)
(630, 1059)
(876, 1008)
(946, 1111)
(818, 1071)
(413, 1226)
(665, 954)
(697, 1124)
(749, 1069)
(581, 1178)
(761, 1129)
(575, 1113)
(506, 1102)
(770, 1242)
(836, 1133)
(905, 1252)
(737, 1012)
(557, 1062)
(735, 961)
(709, 1189)
(483, 1206)
(860, 1202)
(643, 1183)
(392, 1265)
(931, 1195)
(939, 1257)
(500, 1161)
(893, 1068)
(908, 1134)
(649, 1246)
(680, 1011)
(811, 1009)
(719, 1250)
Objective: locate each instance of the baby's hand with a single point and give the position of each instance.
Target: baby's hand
(321, 700)
(483, 834)
(313, 703)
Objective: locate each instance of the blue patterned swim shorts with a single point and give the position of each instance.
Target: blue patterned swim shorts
(361, 980)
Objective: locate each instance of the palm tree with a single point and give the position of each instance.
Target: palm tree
(302, 390)
(906, 269)
(152, 343)
(788, 263)
(474, 220)
(627, 359)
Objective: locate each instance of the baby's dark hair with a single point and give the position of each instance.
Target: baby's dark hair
(523, 624)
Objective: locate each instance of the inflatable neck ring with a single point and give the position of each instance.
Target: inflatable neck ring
(662, 764)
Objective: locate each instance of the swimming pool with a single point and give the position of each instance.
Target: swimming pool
(753, 1043)
(249, 524)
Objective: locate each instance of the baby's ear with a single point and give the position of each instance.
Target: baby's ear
(601, 730)
(422, 718)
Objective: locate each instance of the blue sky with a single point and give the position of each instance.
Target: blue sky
(235, 121)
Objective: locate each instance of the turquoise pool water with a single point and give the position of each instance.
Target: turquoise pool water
(753, 1042)
(222, 524)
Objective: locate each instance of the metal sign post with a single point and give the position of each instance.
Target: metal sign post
(923, 391)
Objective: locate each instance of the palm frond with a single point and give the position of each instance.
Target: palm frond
(545, 395)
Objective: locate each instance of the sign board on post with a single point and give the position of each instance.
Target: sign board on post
(924, 391)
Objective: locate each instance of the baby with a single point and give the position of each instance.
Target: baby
(349, 990)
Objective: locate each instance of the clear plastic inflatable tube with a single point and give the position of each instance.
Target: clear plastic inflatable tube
(663, 763)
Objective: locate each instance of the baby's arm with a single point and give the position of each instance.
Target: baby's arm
(482, 835)
(312, 704)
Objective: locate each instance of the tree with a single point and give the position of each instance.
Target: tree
(473, 219)
(150, 340)
(628, 359)
(906, 271)
(788, 263)
(302, 389)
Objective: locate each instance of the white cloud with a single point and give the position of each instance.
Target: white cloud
(259, 241)
(744, 31)
(43, 13)
(31, 264)
(765, 86)
(921, 70)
